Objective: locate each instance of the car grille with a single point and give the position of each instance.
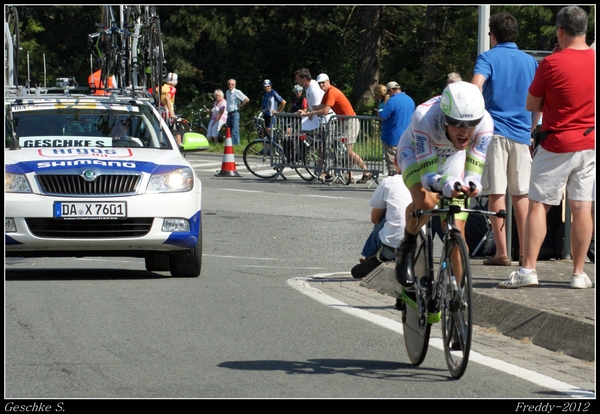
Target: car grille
(76, 185)
(89, 229)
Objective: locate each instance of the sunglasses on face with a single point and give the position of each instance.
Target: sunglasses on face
(462, 123)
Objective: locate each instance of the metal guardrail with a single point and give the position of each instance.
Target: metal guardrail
(337, 146)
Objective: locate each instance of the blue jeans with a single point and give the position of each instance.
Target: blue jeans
(233, 122)
(373, 242)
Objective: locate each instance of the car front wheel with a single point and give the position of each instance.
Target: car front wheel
(188, 264)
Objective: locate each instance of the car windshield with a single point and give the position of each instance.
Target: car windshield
(81, 126)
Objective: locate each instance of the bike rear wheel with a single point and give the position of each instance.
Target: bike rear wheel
(12, 23)
(156, 59)
(309, 160)
(257, 159)
(457, 310)
(416, 327)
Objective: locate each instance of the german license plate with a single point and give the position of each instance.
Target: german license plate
(92, 210)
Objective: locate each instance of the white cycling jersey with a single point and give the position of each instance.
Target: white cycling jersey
(426, 154)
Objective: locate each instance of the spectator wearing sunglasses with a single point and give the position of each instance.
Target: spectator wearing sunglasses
(272, 103)
(444, 144)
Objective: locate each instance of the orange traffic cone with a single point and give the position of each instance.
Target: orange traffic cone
(228, 168)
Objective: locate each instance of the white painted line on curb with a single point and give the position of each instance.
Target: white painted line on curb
(302, 285)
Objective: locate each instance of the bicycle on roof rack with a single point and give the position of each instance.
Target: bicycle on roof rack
(12, 45)
(132, 51)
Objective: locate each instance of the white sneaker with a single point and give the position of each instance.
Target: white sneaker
(517, 280)
(581, 282)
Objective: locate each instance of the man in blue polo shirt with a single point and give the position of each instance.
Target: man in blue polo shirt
(395, 118)
(504, 74)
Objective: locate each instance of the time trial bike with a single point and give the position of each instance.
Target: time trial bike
(446, 295)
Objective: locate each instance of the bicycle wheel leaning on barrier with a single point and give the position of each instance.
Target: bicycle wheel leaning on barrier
(305, 156)
(258, 160)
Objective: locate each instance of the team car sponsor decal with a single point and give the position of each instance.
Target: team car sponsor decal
(28, 142)
(65, 165)
(85, 152)
(481, 148)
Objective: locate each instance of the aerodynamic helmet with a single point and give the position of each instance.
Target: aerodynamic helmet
(462, 104)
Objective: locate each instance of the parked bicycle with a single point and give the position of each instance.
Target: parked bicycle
(201, 121)
(265, 157)
(322, 151)
(447, 296)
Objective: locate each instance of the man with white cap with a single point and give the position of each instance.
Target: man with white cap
(334, 99)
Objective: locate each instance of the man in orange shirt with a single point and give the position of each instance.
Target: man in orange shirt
(95, 81)
(334, 99)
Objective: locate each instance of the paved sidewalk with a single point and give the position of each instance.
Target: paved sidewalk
(551, 315)
(538, 323)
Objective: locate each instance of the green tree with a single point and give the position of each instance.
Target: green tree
(357, 46)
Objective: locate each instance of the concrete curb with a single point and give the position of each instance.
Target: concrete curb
(550, 330)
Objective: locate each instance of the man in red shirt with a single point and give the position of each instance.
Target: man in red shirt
(334, 99)
(564, 90)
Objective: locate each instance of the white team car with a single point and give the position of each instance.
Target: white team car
(90, 175)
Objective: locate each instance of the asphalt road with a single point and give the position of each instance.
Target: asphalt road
(99, 328)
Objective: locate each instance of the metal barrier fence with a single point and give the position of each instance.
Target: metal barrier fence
(333, 147)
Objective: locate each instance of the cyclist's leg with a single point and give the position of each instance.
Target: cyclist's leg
(406, 249)
(456, 255)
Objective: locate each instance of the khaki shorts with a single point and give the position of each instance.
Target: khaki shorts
(350, 129)
(507, 166)
(390, 155)
(551, 172)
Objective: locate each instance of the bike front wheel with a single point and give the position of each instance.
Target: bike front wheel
(308, 158)
(457, 309)
(257, 159)
(415, 324)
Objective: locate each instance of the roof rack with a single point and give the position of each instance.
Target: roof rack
(75, 91)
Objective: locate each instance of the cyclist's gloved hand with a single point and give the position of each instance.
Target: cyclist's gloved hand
(449, 186)
(471, 179)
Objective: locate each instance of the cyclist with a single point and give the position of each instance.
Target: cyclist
(272, 102)
(167, 99)
(445, 143)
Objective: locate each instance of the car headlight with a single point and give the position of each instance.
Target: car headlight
(175, 181)
(16, 183)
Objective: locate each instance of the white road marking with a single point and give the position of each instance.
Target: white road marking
(302, 285)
